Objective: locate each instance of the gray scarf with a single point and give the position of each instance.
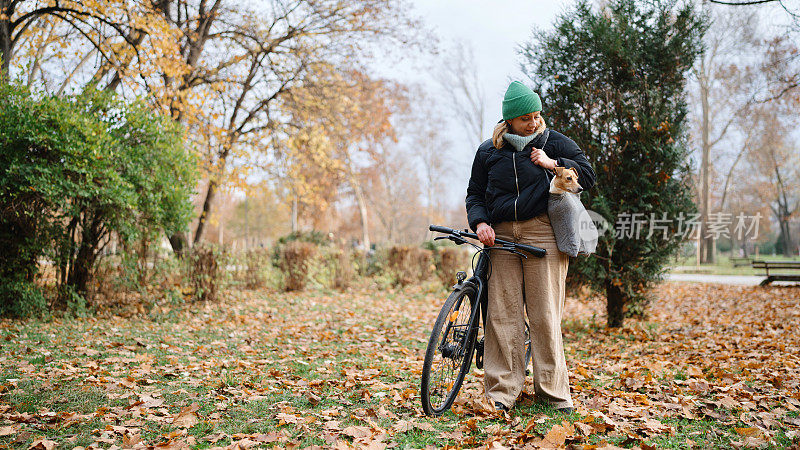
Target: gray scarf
(519, 142)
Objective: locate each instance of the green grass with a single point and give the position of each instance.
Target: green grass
(329, 339)
(29, 397)
(69, 396)
(703, 433)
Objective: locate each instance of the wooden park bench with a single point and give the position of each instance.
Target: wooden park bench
(785, 266)
(737, 262)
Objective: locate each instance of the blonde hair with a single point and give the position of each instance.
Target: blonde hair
(502, 128)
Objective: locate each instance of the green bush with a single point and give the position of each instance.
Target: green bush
(346, 268)
(317, 238)
(312, 259)
(21, 299)
(76, 172)
(374, 263)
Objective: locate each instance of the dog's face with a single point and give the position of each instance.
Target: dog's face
(567, 180)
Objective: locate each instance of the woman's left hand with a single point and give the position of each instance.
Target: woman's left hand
(538, 156)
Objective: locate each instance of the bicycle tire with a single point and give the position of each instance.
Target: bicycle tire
(467, 330)
(527, 348)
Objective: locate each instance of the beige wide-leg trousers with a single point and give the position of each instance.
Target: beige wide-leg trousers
(539, 283)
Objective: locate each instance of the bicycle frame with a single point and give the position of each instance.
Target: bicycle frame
(479, 279)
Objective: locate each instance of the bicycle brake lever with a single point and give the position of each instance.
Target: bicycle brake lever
(441, 237)
(458, 240)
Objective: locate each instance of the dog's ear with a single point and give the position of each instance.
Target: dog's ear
(559, 171)
(574, 172)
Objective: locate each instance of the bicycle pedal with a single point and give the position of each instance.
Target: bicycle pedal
(479, 354)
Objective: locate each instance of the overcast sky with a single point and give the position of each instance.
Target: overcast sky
(493, 30)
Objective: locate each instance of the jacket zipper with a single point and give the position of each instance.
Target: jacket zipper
(516, 180)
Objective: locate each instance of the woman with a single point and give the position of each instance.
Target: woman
(507, 197)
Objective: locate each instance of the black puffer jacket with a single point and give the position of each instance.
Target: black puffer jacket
(505, 185)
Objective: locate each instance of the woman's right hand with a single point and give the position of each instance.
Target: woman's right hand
(485, 234)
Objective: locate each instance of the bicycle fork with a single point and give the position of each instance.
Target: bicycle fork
(462, 333)
(483, 303)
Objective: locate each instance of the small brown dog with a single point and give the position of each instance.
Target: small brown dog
(566, 180)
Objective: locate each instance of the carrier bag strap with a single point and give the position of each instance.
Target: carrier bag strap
(547, 173)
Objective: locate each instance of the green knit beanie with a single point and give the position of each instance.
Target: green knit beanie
(520, 100)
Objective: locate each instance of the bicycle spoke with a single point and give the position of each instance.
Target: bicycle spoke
(448, 359)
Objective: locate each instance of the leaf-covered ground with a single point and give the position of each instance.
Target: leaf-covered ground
(713, 366)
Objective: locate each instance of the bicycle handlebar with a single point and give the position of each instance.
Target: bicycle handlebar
(535, 251)
(441, 229)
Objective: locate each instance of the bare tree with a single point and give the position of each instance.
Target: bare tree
(393, 192)
(722, 77)
(431, 152)
(783, 81)
(776, 177)
(462, 89)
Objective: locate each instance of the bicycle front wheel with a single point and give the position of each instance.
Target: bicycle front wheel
(449, 353)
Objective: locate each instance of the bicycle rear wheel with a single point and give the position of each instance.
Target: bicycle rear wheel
(449, 353)
(527, 347)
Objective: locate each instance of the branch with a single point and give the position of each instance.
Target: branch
(265, 102)
(37, 59)
(730, 121)
(86, 35)
(752, 2)
(730, 171)
(55, 10)
(780, 94)
(83, 61)
(36, 13)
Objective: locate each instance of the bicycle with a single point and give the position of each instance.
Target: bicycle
(455, 333)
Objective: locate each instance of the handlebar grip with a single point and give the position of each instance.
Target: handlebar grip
(440, 229)
(535, 251)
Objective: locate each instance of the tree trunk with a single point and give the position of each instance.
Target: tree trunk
(295, 207)
(744, 148)
(706, 244)
(201, 222)
(615, 305)
(246, 224)
(221, 232)
(81, 270)
(782, 213)
(179, 242)
(785, 235)
(362, 208)
(5, 39)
